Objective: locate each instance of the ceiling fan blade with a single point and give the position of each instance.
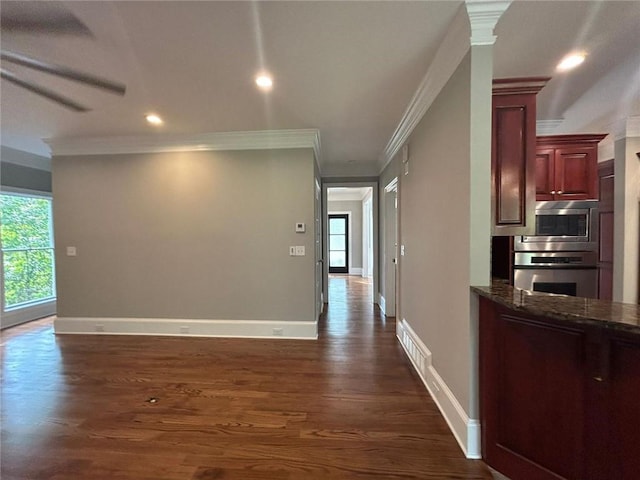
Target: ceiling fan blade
(64, 72)
(45, 92)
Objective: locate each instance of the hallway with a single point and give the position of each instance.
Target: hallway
(347, 406)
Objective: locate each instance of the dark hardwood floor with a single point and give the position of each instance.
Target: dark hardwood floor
(347, 406)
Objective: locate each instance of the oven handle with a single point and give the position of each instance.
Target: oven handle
(555, 267)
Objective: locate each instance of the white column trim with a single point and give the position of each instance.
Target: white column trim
(626, 127)
(483, 16)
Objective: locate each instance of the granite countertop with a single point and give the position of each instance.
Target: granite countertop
(615, 315)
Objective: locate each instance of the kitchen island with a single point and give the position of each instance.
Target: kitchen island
(559, 385)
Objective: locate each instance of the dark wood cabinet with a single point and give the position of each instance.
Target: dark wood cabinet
(566, 167)
(559, 400)
(623, 391)
(513, 155)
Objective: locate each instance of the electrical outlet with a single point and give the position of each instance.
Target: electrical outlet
(72, 251)
(300, 251)
(99, 328)
(277, 332)
(184, 329)
(402, 250)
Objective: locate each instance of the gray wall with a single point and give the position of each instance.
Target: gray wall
(24, 170)
(201, 235)
(434, 223)
(355, 207)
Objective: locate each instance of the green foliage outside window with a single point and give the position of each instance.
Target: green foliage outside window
(27, 249)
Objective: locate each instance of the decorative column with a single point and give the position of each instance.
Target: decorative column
(483, 17)
(626, 207)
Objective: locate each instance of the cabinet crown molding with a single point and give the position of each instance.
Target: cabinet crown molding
(593, 138)
(523, 85)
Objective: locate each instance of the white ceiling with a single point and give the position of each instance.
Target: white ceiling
(348, 69)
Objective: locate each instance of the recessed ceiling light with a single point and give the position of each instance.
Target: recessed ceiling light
(571, 61)
(264, 81)
(153, 119)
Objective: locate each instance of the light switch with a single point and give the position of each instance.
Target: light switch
(71, 252)
(292, 251)
(300, 251)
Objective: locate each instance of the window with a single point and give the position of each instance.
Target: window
(338, 246)
(28, 260)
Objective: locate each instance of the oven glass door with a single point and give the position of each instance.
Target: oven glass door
(578, 282)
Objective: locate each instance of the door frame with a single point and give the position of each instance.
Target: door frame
(391, 267)
(325, 224)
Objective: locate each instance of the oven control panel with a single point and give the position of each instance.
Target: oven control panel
(555, 259)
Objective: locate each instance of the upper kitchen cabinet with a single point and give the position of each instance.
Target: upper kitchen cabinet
(567, 167)
(513, 155)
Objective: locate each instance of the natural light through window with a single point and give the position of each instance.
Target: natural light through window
(27, 250)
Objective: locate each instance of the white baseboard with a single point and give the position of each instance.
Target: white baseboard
(187, 327)
(355, 271)
(466, 430)
(26, 314)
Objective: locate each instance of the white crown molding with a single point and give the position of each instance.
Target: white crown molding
(483, 16)
(256, 140)
(547, 127)
(449, 55)
(626, 128)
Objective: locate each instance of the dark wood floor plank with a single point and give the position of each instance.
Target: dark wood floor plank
(347, 406)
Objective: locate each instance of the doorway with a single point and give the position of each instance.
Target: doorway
(338, 243)
(350, 238)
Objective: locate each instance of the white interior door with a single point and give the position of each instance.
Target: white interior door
(367, 237)
(391, 248)
(318, 252)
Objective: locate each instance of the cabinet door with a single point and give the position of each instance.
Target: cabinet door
(545, 176)
(576, 173)
(513, 164)
(623, 410)
(532, 396)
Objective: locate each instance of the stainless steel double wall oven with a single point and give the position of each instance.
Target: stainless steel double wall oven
(562, 256)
